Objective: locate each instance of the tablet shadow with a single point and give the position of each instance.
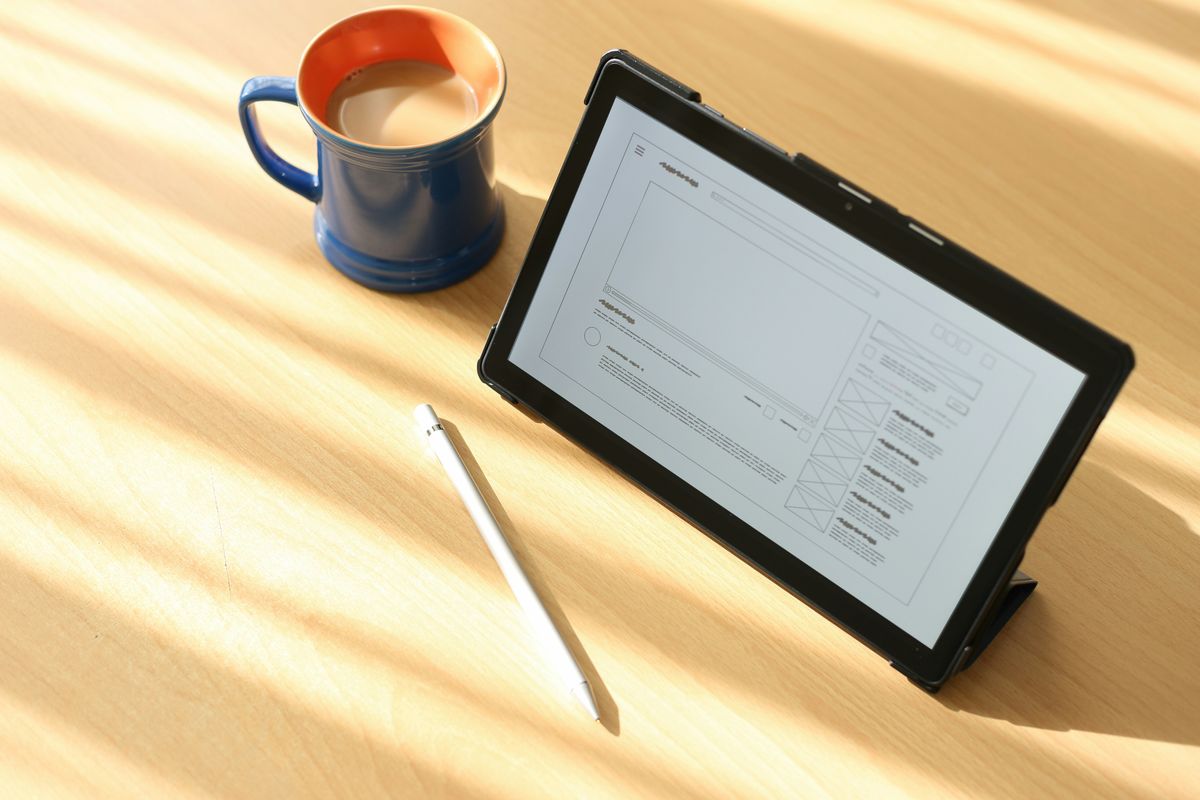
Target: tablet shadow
(1117, 576)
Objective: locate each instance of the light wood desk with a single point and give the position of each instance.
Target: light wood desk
(227, 570)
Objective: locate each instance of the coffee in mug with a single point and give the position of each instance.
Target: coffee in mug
(401, 104)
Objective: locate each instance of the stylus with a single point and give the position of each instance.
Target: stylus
(551, 641)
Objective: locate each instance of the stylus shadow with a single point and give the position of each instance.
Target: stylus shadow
(1110, 614)
(610, 715)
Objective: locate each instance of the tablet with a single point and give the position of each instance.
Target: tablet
(867, 413)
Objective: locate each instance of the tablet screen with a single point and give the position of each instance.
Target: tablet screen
(865, 420)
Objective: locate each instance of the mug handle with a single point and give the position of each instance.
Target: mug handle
(282, 90)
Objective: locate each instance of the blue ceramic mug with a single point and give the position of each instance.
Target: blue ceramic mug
(397, 219)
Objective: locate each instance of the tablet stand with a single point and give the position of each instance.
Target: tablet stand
(1020, 586)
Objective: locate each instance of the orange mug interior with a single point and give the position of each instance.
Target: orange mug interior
(395, 34)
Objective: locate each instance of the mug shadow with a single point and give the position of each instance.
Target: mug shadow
(478, 300)
(610, 715)
(1065, 664)
(473, 304)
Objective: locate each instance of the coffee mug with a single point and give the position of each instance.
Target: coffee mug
(393, 218)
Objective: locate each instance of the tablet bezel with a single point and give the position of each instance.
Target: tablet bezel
(1104, 360)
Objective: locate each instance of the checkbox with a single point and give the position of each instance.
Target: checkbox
(988, 360)
(938, 331)
(804, 434)
(769, 412)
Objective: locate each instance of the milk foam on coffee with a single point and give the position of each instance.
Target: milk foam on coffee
(402, 104)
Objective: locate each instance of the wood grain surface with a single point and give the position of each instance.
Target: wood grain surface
(228, 570)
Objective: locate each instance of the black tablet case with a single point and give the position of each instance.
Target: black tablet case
(1020, 586)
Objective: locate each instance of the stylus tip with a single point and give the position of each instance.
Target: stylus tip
(583, 693)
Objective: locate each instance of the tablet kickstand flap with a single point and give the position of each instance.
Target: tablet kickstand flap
(1019, 589)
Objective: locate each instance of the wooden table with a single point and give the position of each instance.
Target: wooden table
(228, 570)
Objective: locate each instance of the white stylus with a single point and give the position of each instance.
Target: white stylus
(547, 635)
